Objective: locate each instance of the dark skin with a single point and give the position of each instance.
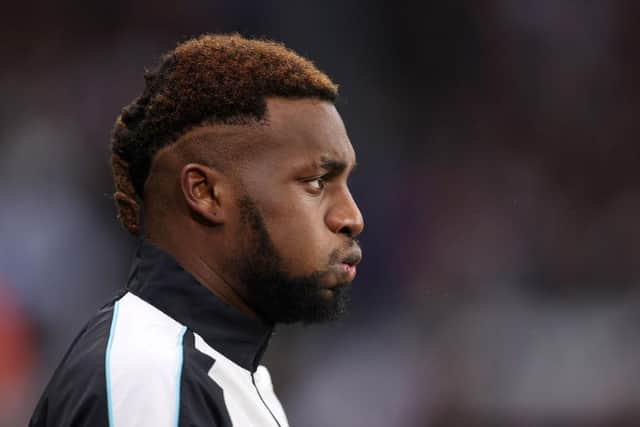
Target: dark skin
(294, 168)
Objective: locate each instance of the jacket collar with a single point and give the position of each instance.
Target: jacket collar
(157, 278)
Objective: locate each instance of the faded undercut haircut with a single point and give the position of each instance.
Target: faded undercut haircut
(211, 79)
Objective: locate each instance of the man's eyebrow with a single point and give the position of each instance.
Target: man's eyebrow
(333, 166)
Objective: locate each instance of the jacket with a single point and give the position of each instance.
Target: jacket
(164, 352)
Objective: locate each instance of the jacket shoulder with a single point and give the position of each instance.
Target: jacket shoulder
(76, 394)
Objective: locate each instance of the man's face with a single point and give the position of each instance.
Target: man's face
(298, 218)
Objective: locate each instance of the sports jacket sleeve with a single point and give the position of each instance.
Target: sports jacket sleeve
(77, 394)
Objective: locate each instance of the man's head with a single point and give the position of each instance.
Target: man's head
(241, 161)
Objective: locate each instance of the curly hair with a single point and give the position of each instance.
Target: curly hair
(211, 79)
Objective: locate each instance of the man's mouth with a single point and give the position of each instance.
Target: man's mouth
(349, 262)
(349, 271)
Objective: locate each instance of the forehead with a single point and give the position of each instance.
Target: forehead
(306, 130)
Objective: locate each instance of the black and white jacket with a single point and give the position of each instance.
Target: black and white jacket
(165, 352)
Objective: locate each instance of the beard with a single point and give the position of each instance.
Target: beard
(276, 296)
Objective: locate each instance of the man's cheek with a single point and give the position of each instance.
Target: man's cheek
(302, 258)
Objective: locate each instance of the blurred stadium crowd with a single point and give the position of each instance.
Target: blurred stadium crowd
(498, 152)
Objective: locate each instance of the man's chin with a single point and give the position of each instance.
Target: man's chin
(315, 304)
(331, 304)
(328, 293)
(333, 290)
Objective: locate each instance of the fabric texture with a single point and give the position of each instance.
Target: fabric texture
(164, 352)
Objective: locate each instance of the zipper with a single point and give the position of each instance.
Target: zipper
(253, 380)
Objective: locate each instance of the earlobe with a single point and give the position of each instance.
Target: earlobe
(202, 188)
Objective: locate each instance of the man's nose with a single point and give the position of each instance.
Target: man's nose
(345, 216)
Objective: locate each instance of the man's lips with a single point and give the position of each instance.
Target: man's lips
(349, 271)
(349, 262)
(353, 257)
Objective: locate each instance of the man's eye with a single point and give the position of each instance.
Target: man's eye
(317, 184)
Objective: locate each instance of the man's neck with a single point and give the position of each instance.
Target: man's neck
(205, 271)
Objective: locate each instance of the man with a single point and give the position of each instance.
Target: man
(236, 161)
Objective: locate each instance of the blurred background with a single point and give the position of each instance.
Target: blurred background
(497, 143)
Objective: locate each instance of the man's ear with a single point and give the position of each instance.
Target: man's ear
(204, 191)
